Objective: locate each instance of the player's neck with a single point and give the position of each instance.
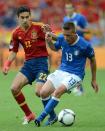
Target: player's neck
(25, 28)
(71, 15)
(74, 41)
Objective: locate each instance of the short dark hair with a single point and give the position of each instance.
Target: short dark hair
(22, 9)
(69, 25)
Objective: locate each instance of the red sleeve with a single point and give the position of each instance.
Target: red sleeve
(14, 44)
(41, 33)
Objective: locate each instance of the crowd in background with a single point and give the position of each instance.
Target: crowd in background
(52, 12)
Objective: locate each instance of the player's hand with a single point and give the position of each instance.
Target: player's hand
(46, 28)
(6, 67)
(5, 70)
(95, 86)
(48, 37)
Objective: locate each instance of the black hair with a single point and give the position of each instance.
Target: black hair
(22, 9)
(69, 25)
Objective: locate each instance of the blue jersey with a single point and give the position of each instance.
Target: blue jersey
(79, 20)
(74, 56)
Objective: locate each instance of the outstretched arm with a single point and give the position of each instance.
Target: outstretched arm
(47, 29)
(49, 41)
(8, 62)
(85, 30)
(93, 71)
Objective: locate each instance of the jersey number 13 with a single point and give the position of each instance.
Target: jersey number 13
(69, 57)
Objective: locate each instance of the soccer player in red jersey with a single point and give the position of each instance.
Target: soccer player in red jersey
(31, 36)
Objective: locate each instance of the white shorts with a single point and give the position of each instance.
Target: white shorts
(61, 77)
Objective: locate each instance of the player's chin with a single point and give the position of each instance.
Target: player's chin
(25, 24)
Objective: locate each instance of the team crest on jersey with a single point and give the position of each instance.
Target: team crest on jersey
(34, 35)
(76, 52)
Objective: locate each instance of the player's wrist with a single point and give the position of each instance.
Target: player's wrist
(7, 63)
(49, 42)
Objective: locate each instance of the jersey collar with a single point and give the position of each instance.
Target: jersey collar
(76, 40)
(73, 15)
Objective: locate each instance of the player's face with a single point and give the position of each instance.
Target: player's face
(69, 9)
(24, 19)
(70, 36)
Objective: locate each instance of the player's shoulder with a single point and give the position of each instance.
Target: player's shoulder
(83, 43)
(40, 24)
(16, 30)
(81, 16)
(60, 36)
(65, 17)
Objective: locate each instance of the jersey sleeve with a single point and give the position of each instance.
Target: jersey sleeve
(65, 19)
(83, 21)
(14, 43)
(41, 32)
(89, 51)
(58, 43)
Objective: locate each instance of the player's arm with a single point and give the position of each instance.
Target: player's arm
(89, 52)
(49, 41)
(13, 48)
(47, 29)
(93, 72)
(84, 25)
(84, 30)
(8, 62)
(54, 37)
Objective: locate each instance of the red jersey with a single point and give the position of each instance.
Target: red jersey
(32, 40)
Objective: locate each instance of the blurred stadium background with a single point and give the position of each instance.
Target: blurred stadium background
(52, 12)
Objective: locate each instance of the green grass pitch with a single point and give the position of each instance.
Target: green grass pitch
(89, 108)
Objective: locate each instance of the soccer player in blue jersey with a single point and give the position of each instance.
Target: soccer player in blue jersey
(79, 19)
(70, 74)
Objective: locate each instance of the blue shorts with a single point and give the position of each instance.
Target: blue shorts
(36, 69)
